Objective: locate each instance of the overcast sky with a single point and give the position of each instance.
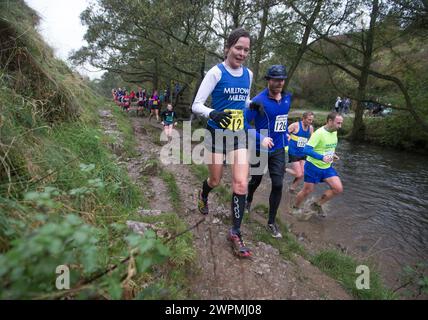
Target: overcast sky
(61, 28)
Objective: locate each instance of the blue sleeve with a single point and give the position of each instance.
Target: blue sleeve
(250, 115)
(309, 151)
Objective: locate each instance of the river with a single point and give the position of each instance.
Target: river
(383, 212)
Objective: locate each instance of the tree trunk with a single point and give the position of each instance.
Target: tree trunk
(201, 77)
(236, 13)
(259, 48)
(357, 132)
(156, 75)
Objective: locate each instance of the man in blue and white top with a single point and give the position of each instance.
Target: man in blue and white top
(269, 110)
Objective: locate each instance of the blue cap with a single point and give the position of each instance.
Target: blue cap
(276, 71)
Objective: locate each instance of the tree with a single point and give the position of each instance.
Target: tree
(147, 41)
(354, 52)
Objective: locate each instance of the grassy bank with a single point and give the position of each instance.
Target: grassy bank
(64, 201)
(343, 268)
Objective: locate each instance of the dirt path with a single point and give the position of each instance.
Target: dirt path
(217, 273)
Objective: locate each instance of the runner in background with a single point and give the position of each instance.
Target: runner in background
(299, 133)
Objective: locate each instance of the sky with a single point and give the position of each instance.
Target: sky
(61, 28)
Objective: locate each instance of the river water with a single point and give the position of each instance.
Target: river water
(383, 212)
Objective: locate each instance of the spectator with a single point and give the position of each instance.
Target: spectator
(338, 105)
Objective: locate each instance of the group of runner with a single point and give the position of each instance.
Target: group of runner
(234, 118)
(150, 102)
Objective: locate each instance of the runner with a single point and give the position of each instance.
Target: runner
(320, 150)
(168, 117)
(269, 110)
(155, 105)
(229, 85)
(132, 96)
(300, 132)
(126, 102)
(140, 104)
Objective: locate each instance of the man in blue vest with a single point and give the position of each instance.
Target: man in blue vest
(269, 111)
(300, 132)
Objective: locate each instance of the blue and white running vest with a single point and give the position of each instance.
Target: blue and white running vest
(230, 93)
(298, 141)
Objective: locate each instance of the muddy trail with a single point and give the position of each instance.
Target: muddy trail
(217, 273)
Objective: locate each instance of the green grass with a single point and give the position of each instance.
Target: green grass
(63, 198)
(174, 280)
(288, 246)
(173, 189)
(73, 158)
(343, 268)
(199, 171)
(224, 194)
(125, 127)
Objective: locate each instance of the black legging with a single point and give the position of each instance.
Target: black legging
(275, 193)
(276, 165)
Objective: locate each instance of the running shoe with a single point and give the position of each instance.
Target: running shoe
(274, 230)
(318, 209)
(238, 244)
(202, 204)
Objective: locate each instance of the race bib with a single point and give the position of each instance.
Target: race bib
(237, 122)
(301, 142)
(329, 153)
(281, 123)
(155, 102)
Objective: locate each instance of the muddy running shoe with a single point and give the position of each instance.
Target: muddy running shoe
(247, 207)
(295, 211)
(318, 209)
(202, 204)
(238, 245)
(273, 228)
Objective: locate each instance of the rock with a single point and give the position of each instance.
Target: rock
(264, 266)
(105, 114)
(137, 227)
(268, 249)
(293, 293)
(216, 221)
(142, 227)
(145, 212)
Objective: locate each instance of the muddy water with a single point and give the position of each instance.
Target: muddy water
(383, 212)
